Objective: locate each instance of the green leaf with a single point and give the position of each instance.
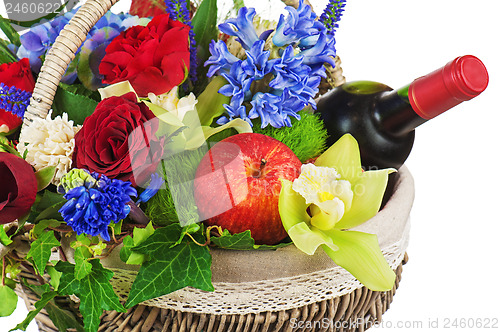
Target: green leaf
(170, 268)
(39, 305)
(43, 225)
(126, 250)
(210, 102)
(4, 238)
(9, 31)
(205, 27)
(78, 106)
(62, 319)
(8, 301)
(359, 253)
(47, 206)
(41, 250)
(6, 55)
(82, 265)
(94, 291)
(55, 276)
(242, 241)
(44, 177)
(140, 235)
(80, 89)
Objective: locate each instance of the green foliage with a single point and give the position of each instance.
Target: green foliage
(140, 235)
(44, 176)
(8, 301)
(178, 170)
(205, 29)
(210, 102)
(62, 318)
(4, 238)
(41, 249)
(9, 31)
(242, 241)
(39, 305)
(170, 267)
(46, 206)
(94, 291)
(78, 104)
(306, 137)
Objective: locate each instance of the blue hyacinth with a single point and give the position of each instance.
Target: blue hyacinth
(274, 84)
(92, 206)
(156, 183)
(14, 100)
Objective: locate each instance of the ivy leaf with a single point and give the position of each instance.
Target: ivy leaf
(39, 305)
(9, 301)
(43, 225)
(140, 235)
(62, 318)
(41, 250)
(94, 291)
(82, 265)
(242, 241)
(170, 267)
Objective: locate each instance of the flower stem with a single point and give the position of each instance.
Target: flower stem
(3, 271)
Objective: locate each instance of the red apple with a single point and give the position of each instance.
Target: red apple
(237, 185)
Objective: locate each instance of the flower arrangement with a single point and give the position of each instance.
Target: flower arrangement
(147, 117)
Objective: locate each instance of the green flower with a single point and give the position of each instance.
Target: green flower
(328, 198)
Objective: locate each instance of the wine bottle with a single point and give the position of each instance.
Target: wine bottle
(383, 120)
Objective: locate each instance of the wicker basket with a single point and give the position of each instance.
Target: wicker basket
(283, 290)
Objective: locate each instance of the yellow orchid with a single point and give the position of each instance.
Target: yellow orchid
(330, 196)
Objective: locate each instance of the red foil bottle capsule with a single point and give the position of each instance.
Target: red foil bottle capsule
(383, 120)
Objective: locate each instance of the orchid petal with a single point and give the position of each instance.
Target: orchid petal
(360, 254)
(291, 205)
(369, 191)
(344, 156)
(309, 239)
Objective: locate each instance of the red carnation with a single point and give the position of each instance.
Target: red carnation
(154, 58)
(18, 189)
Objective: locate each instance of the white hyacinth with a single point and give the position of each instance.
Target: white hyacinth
(49, 142)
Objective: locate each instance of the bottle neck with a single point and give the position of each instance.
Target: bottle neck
(401, 111)
(395, 114)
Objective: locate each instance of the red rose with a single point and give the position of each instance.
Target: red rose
(16, 74)
(119, 141)
(18, 189)
(154, 58)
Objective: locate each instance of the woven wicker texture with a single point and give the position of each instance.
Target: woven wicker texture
(61, 54)
(356, 311)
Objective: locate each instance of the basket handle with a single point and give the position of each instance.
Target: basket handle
(60, 56)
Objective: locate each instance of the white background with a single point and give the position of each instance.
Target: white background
(454, 246)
